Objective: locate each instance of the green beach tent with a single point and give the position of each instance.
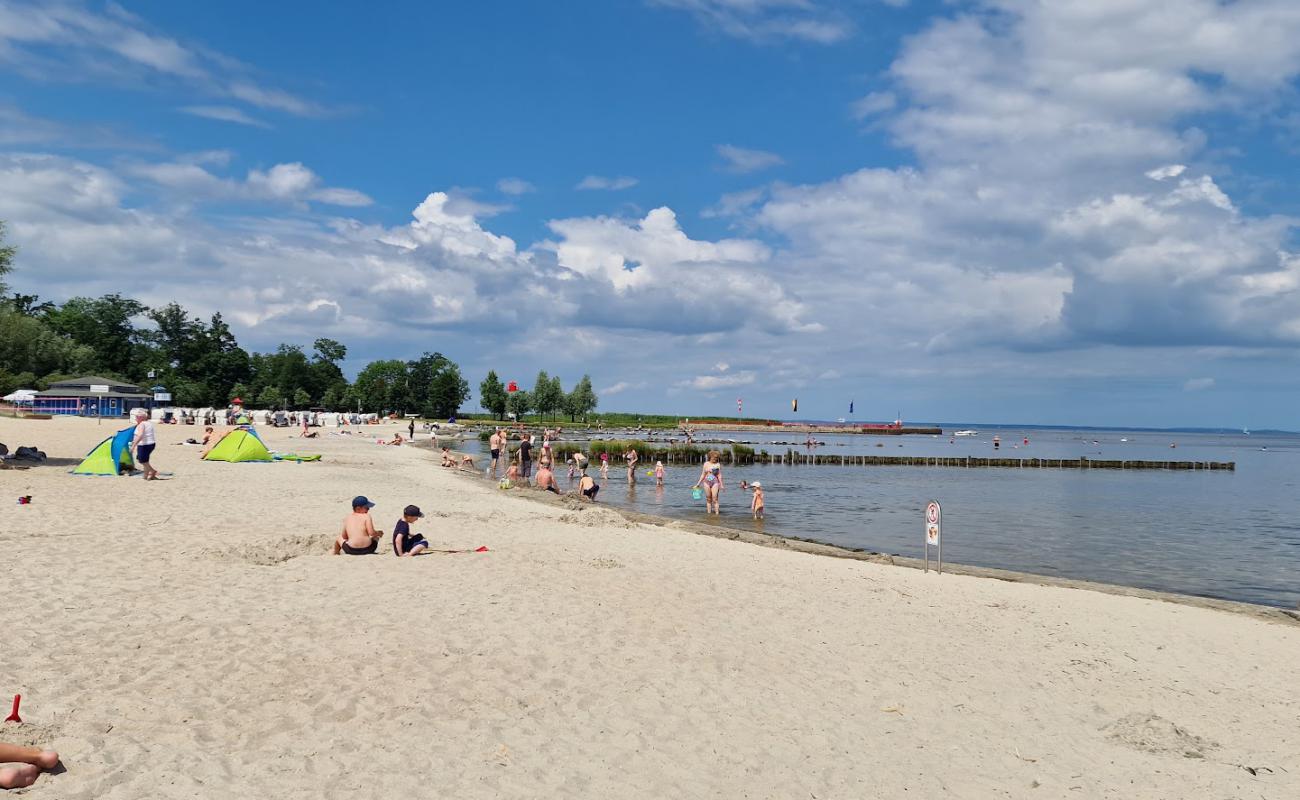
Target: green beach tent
(110, 457)
(239, 445)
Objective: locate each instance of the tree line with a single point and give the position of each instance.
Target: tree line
(547, 398)
(200, 361)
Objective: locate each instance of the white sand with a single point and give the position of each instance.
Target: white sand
(167, 645)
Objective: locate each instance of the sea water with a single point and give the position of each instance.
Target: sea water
(1232, 535)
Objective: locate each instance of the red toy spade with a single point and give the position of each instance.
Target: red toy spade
(482, 549)
(13, 715)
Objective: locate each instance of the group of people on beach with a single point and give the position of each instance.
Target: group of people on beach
(518, 469)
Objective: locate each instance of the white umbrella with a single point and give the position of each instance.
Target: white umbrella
(20, 396)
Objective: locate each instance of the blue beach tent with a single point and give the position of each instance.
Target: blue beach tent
(110, 457)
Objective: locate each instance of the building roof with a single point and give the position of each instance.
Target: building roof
(57, 393)
(84, 384)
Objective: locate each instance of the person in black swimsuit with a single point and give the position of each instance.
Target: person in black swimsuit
(359, 536)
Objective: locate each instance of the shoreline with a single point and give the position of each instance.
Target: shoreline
(218, 650)
(1277, 614)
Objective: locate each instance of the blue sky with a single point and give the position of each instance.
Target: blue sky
(996, 210)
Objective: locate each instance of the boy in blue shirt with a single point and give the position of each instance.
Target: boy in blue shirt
(406, 543)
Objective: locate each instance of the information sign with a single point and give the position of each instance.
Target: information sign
(933, 530)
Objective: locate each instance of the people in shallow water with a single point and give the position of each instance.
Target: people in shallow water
(358, 536)
(711, 480)
(546, 478)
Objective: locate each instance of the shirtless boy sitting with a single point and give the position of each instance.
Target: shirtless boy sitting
(359, 536)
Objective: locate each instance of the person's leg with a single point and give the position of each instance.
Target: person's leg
(338, 544)
(17, 754)
(18, 777)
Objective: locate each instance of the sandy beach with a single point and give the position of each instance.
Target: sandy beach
(192, 638)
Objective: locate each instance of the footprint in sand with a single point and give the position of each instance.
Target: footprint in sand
(1152, 733)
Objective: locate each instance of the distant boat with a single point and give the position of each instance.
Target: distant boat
(841, 420)
(1246, 431)
(966, 433)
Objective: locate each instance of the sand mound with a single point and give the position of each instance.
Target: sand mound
(1152, 733)
(271, 554)
(597, 518)
(28, 734)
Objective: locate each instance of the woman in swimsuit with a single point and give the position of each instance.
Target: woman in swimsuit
(711, 480)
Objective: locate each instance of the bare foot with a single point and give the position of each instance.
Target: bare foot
(18, 777)
(48, 759)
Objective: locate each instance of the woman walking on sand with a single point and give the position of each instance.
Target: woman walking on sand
(711, 480)
(145, 441)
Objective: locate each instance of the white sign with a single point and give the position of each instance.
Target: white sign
(99, 388)
(162, 397)
(933, 524)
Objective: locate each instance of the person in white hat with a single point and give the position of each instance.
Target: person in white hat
(756, 503)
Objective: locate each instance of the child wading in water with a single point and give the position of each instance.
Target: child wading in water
(659, 473)
(756, 504)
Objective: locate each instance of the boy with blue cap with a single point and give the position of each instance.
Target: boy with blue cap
(359, 536)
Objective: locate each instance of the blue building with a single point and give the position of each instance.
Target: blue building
(91, 396)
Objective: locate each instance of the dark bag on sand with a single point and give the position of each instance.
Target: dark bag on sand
(29, 454)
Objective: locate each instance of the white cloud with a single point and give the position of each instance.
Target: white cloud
(1166, 172)
(768, 20)
(619, 388)
(341, 197)
(515, 186)
(599, 182)
(1198, 384)
(67, 41)
(743, 160)
(708, 383)
(872, 104)
(287, 183)
(224, 114)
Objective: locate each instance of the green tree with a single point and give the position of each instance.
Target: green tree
(333, 399)
(241, 390)
(7, 253)
(436, 385)
(301, 399)
(545, 400)
(28, 305)
(581, 401)
(104, 324)
(329, 350)
(29, 345)
(492, 395)
(519, 403)
(270, 397)
(383, 386)
(325, 371)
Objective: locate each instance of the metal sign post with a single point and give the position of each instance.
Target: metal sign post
(99, 388)
(933, 525)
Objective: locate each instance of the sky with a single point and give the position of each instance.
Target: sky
(1073, 212)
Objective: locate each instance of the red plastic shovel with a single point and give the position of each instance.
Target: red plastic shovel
(13, 715)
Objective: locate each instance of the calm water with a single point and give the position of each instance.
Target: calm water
(1233, 535)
